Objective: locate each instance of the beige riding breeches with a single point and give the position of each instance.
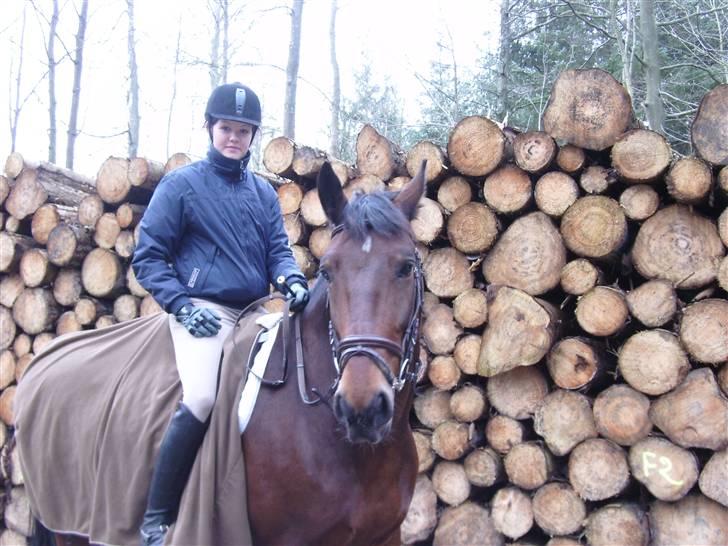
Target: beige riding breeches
(198, 359)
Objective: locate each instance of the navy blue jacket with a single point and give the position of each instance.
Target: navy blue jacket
(212, 230)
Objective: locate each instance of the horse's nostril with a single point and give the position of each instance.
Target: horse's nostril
(383, 403)
(339, 406)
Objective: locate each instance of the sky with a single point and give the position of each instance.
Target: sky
(398, 37)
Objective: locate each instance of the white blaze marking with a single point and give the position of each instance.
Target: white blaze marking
(367, 246)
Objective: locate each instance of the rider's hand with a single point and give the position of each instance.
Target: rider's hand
(199, 321)
(299, 296)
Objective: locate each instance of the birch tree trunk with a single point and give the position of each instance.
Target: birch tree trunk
(504, 60)
(52, 84)
(294, 51)
(336, 93)
(76, 92)
(648, 28)
(133, 85)
(17, 107)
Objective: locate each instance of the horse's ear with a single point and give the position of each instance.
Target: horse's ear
(410, 195)
(331, 195)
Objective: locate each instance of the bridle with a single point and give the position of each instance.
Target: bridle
(407, 350)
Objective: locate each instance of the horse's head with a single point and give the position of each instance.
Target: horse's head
(374, 284)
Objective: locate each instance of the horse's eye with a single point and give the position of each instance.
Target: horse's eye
(325, 274)
(405, 270)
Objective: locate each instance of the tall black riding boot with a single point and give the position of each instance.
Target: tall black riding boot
(171, 471)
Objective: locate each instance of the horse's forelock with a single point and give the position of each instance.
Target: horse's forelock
(374, 212)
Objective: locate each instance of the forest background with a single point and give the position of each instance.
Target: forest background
(91, 78)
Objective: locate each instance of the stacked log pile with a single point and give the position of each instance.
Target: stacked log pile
(576, 314)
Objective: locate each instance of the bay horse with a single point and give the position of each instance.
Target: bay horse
(330, 458)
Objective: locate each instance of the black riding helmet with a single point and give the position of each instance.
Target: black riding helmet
(233, 101)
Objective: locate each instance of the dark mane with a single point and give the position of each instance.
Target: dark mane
(374, 212)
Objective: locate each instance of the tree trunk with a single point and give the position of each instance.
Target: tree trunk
(534, 151)
(451, 440)
(668, 471)
(651, 60)
(290, 197)
(447, 273)
(594, 227)
(307, 161)
(134, 119)
(678, 245)
(106, 231)
(294, 228)
(704, 330)
(618, 523)
(695, 414)
(7, 328)
(653, 362)
(653, 303)
(454, 192)
(512, 512)
(47, 217)
(621, 415)
(144, 173)
(126, 307)
(176, 161)
(422, 515)
(278, 157)
(518, 392)
(529, 255)
(504, 62)
(102, 274)
(50, 52)
(470, 308)
(149, 306)
(67, 287)
(450, 483)
(68, 244)
(318, 241)
(35, 310)
(428, 221)
(558, 510)
(476, 146)
(528, 465)
(472, 228)
(334, 144)
(575, 362)
(689, 181)
(312, 210)
(35, 268)
(602, 311)
(294, 52)
(555, 192)
(520, 331)
(90, 210)
(87, 310)
(579, 276)
(587, 108)
(113, 185)
(11, 285)
(639, 202)
(710, 124)
(432, 408)
(76, 92)
(692, 520)
(128, 215)
(508, 190)
(440, 331)
(564, 419)
(464, 525)
(378, 156)
(598, 469)
(483, 467)
(570, 159)
(597, 179)
(433, 154)
(467, 349)
(7, 367)
(640, 156)
(67, 323)
(12, 247)
(714, 477)
(503, 432)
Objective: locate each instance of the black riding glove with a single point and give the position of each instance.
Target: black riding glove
(199, 321)
(298, 296)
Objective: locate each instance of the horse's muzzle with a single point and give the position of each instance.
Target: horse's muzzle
(369, 425)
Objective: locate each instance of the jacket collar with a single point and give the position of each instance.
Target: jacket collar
(229, 168)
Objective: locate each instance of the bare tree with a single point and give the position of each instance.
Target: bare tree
(174, 82)
(504, 60)
(134, 119)
(648, 28)
(15, 109)
(220, 44)
(294, 51)
(76, 93)
(52, 132)
(336, 94)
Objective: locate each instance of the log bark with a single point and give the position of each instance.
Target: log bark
(450, 483)
(695, 414)
(678, 245)
(704, 330)
(451, 440)
(528, 465)
(106, 231)
(576, 362)
(443, 373)
(564, 419)
(689, 180)
(49, 216)
(517, 393)
(454, 192)
(594, 227)
(666, 470)
(176, 161)
(692, 520)
(447, 273)
(290, 197)
(641, 156)
(476, 146)
(598, 469)
(709, 126)
(503, 432)
(529, 256)
(713, 480)
(579, 276)
(570, 159)
(558, 510)
(432, 407)
(619, 523)
(144, 173)
(129, 215)
(430, 152)
(602, 311)
(639, 202)
(466, 525)
(653, 362)
(90, 210)
(597, 179)
(512, 512)
(68, 244)
(101, 273)
(35, 310)
(440, 331)
(470, 308)
(472, 228)
(466, 352)
(468, 403)
(508, 190)
(555, 192)
(483, 467)
(621, 414)
(378, 156)
(520, 331)
(534, 151)
(428, 221)
(587, 108)
(35, 268)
